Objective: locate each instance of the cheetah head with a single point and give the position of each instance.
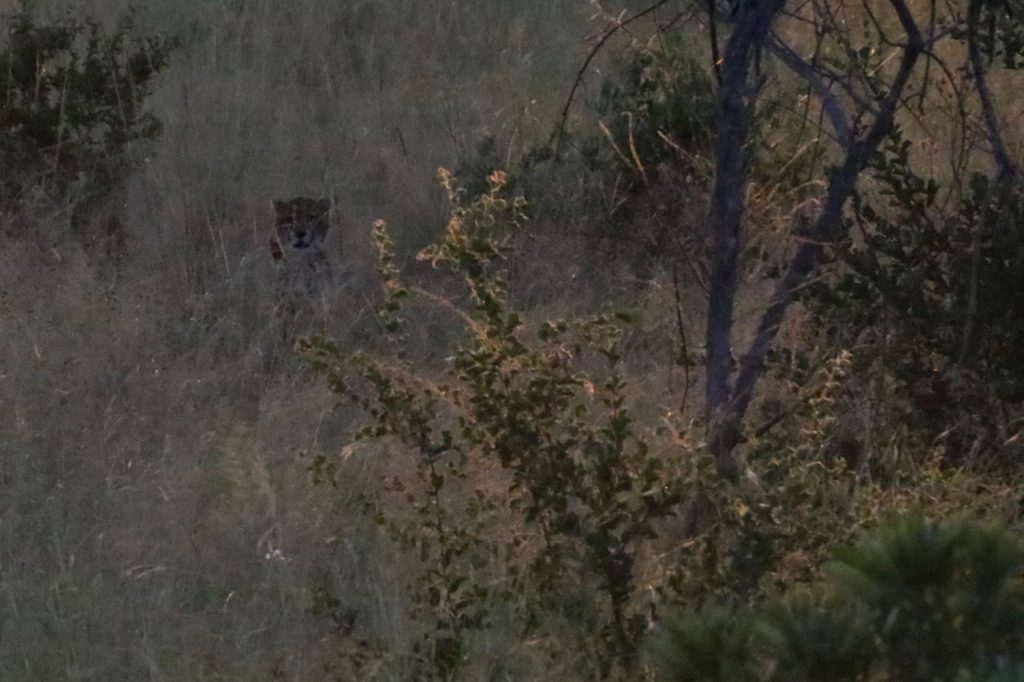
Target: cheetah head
(300, 226)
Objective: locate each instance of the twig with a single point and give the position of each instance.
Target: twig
(716, 57)
(683, 347)
(632, 148)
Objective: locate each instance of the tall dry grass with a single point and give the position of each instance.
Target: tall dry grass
(156, 517)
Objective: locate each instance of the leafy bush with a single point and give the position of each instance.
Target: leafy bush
(655, 107)
(71, 104)
(944, 288)
(912, 600)
(633, 170)
(526, 455)
(534, 498)
(661, 105)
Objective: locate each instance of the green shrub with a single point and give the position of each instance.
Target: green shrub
(911, 600)
(71, 104)
(655, 107)
(661, 104)
(944, 288)
(533, 499)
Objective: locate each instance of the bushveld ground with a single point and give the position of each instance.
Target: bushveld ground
(157, 515)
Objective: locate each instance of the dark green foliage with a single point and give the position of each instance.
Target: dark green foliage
(1001, 32)
(946, 288)
(941, 596)
(708, 644)
(817, 638)
(71, 103)
(661, 105)
(912, 600)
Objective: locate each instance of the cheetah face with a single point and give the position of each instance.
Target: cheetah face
(300, 227)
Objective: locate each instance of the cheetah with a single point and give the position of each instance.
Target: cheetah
(303, 269)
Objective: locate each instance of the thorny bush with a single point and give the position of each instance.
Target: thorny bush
(565, 468)
(534, 488)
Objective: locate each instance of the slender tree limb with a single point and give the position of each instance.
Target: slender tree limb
(928, 57)
(915, 44)
(829, 103)
(1007, 166)
(823, 73)
(713, 39)
(684, 351)
(972, 292)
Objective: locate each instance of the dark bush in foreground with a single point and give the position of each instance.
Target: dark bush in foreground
(913, 600)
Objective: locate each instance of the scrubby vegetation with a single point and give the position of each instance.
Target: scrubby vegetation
(670, 378)
(912, 600)
(73, 105)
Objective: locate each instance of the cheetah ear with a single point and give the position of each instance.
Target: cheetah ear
(324, 205)
(275, 250)
(280, 208)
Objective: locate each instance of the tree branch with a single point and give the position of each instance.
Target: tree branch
(1007, 166)
(829, 103)
(828, 227)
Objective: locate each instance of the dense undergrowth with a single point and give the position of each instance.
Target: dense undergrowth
(534, 486)
(508, 473)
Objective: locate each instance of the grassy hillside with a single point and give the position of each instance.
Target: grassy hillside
(158, 522)
(157, 514)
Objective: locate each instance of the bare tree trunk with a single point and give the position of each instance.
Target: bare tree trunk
(737, 96)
